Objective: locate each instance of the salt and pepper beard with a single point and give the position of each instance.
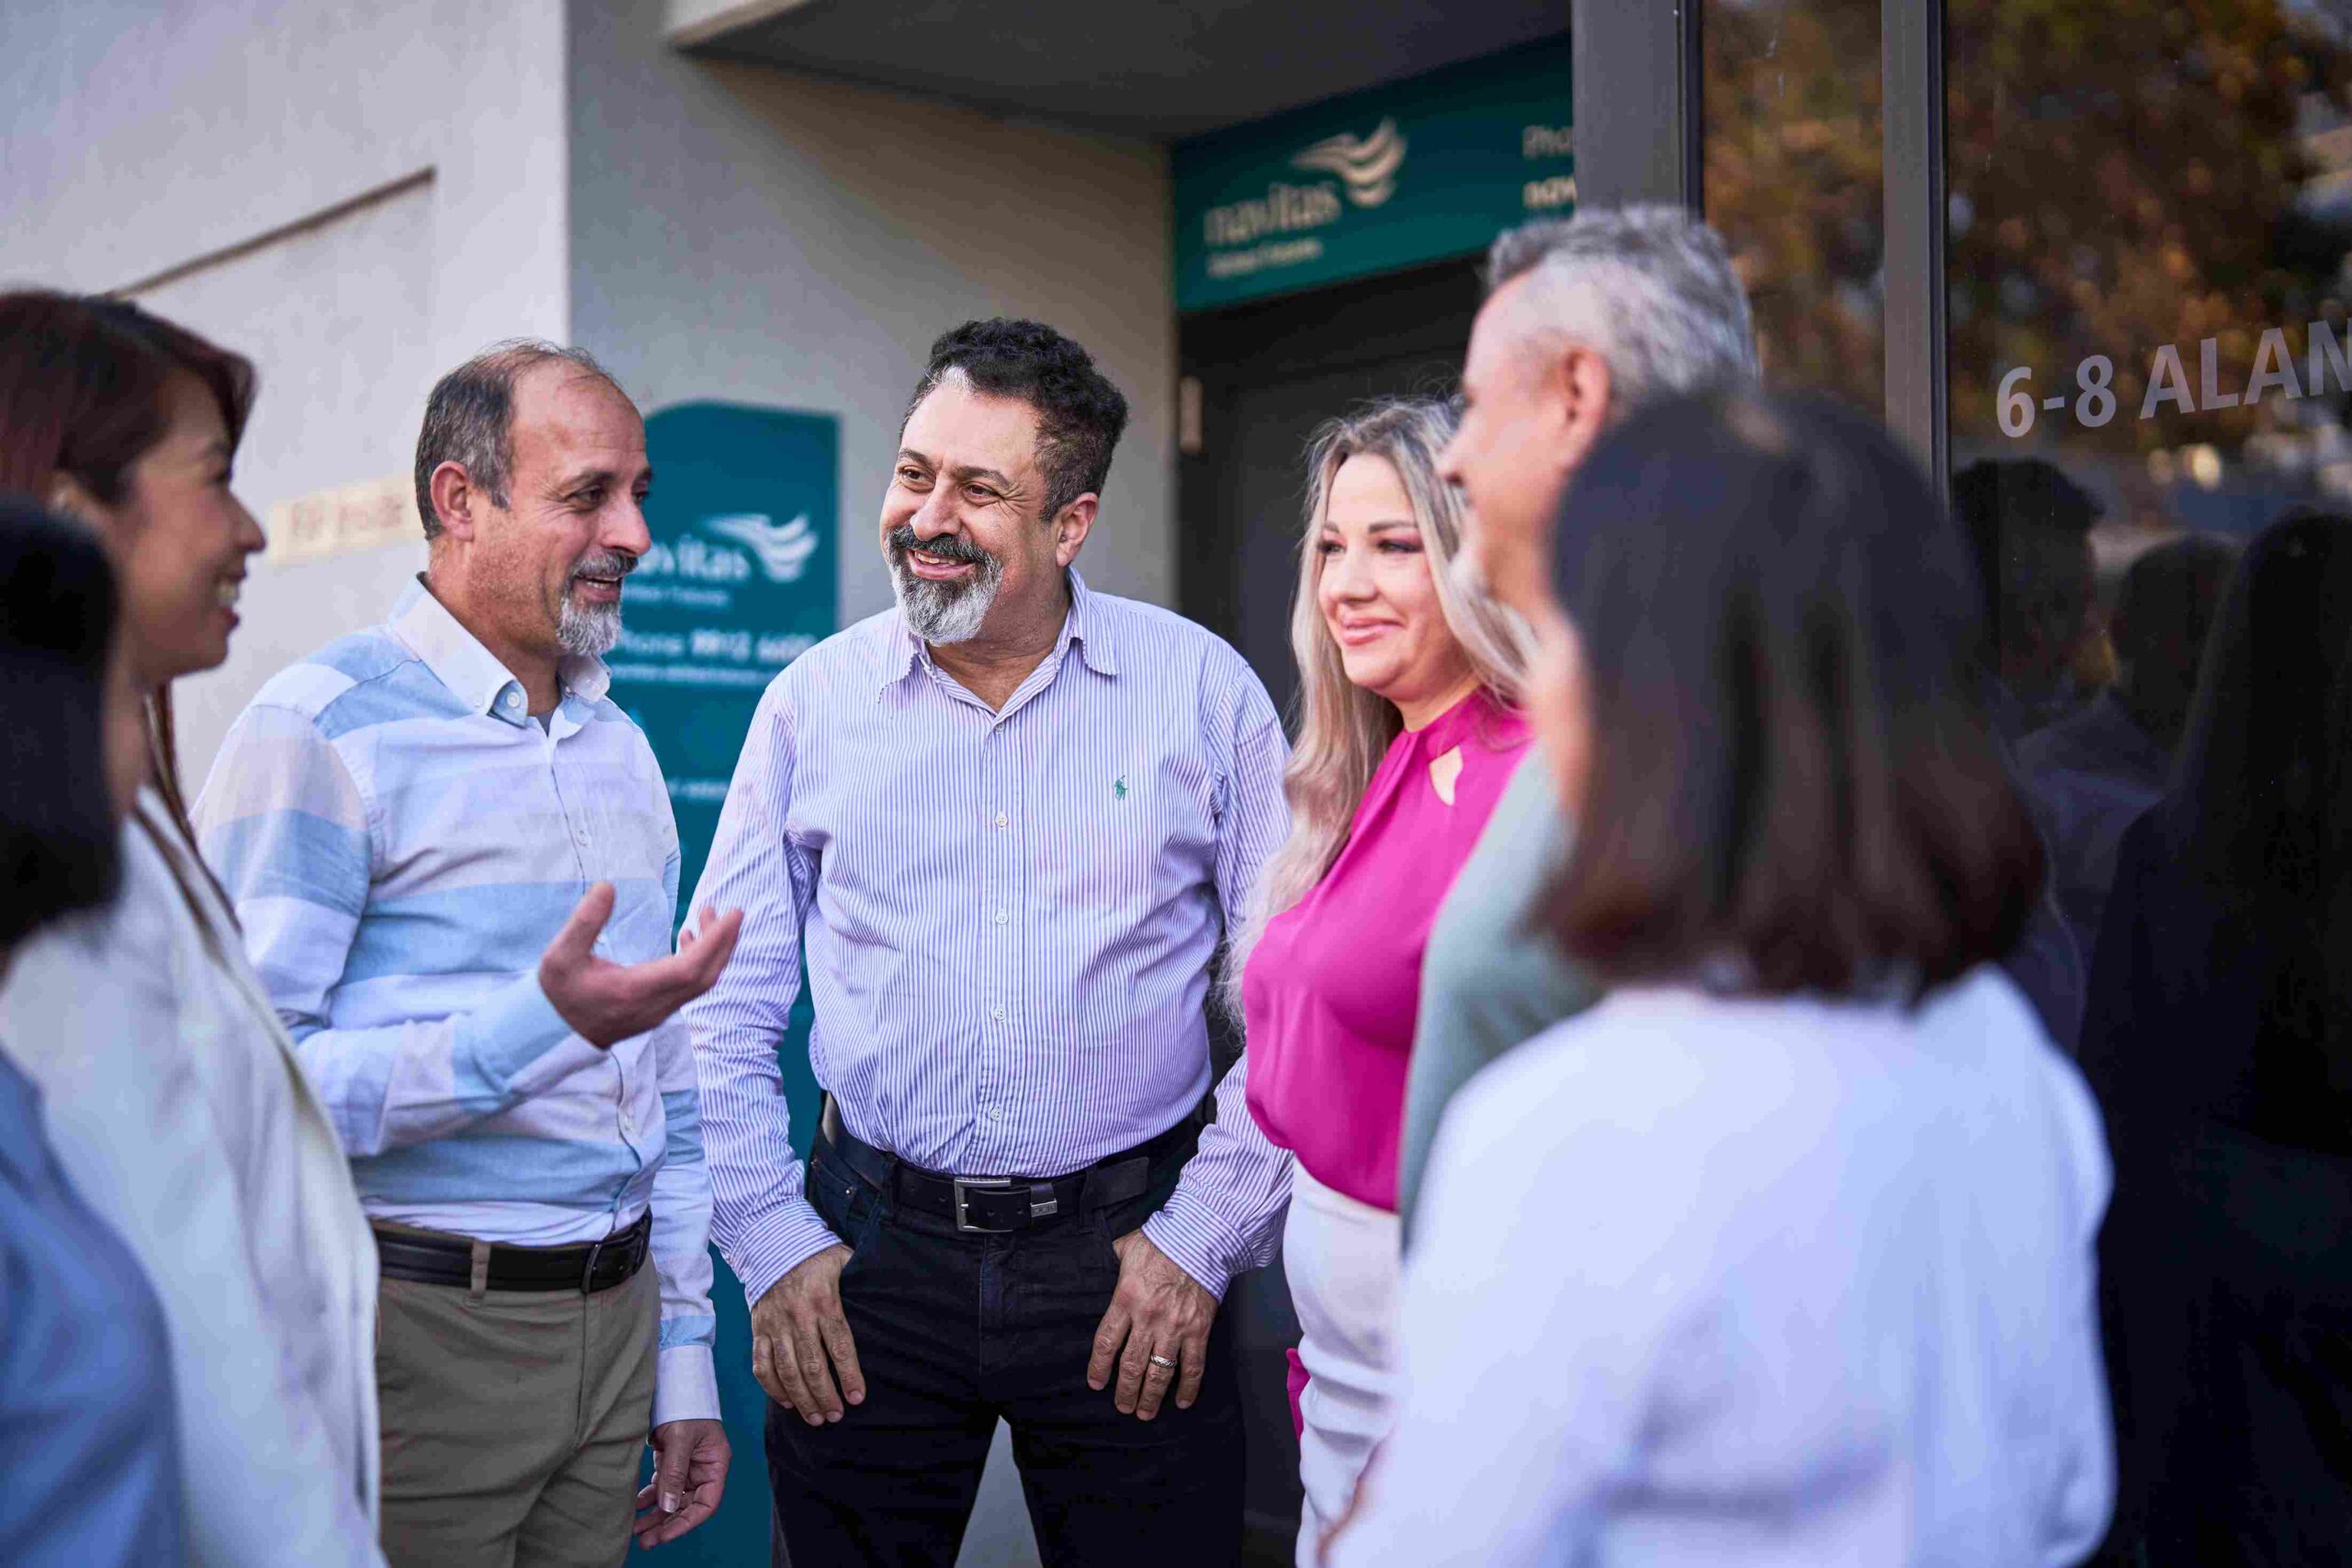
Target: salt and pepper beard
(941, 613)
(591, 631)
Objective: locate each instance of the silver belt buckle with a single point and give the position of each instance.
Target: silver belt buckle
(963, 1220)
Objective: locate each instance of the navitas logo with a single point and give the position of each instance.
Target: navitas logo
(1366, 166)
(779, 550)
(782, 548)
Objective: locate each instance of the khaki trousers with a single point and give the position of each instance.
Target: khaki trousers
(514, 1422)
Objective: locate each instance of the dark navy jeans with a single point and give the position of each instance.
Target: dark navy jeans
(955, 1330)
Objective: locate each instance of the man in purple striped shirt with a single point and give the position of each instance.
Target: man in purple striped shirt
(1008, 823)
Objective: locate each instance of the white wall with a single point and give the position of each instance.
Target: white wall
(744, 233)
(330, 315)
(201, 140)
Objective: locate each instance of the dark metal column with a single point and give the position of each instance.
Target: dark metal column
(1636, 100)
(1913, 87)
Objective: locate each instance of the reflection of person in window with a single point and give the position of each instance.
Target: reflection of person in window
(2094, 770)
(2218, 1038)
(2030, 526)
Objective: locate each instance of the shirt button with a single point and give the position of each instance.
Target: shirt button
(1000, 916)
(998, 1014)
(513, 699)
(996, 1114)
(1000, 819)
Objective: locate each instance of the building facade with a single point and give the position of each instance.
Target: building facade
(2105, 238)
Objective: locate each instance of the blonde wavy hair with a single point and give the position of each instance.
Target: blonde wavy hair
(1343, 729)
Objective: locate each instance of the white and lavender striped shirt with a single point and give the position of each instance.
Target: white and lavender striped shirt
(1008, 918)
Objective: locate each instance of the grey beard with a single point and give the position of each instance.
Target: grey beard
(587, 631)
(946, 612)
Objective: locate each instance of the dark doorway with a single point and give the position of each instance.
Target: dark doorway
(1269, 374)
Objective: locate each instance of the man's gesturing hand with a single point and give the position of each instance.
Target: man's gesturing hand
(690, 1460)
(1158, 1310)
(608, 1002)
(800, 1341)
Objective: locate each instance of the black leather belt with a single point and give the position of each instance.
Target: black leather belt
(587, 1267)
(996, 1205)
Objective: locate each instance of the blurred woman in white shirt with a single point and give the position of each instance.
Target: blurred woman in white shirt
(1783, 1253)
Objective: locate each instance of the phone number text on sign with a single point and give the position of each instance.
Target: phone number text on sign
(2017, 401)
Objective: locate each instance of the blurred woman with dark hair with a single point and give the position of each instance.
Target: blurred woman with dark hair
(175, 1101)
(2218, 1040)
(86, 1386)
(1784, 1251)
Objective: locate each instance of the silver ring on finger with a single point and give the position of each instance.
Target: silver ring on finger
(1162, 1364)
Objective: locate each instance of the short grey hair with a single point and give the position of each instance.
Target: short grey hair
(1650, 286)
(470, 418)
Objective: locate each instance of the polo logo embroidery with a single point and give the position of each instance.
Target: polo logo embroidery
(1119, 787)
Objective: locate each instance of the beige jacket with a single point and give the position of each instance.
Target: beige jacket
(177, 1106)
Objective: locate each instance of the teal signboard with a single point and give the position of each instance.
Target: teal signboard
(742, 579)
(1395, 175)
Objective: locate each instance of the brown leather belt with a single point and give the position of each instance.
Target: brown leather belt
(587, 1266)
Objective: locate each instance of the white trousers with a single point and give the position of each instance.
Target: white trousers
(1342, 1257)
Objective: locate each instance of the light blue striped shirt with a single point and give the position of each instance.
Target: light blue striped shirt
(401, 841)
(1008, 916)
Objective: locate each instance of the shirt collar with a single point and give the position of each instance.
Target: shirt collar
(1085, 625)
(458, 661)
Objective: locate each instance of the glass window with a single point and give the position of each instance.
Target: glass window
(1793, 153)
(2149, 222)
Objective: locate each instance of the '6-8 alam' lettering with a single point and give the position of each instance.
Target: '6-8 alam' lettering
(2327, 359)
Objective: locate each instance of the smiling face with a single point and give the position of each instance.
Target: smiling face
(1377, 598)
(960, 526)
(180, 540)
(544, 571)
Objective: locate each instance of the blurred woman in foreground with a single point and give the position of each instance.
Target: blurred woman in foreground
(1783, 1253)
(175, 1101)
(1412, 728)
(86, 1440)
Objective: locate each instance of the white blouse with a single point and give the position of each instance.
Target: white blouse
(1764, 1282)
(177, 1110)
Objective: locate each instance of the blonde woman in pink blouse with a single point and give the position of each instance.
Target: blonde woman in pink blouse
(1410, 727)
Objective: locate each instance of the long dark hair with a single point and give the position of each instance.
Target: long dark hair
(83, 383)
(2260, 811)
(1794, 785)
(57, 835)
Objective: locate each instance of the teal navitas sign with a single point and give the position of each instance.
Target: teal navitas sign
(742, 579)
(1388, 177)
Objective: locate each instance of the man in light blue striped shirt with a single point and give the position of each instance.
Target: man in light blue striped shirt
(454, 860)
(1009, 823)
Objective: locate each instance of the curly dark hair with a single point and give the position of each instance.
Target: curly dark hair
(1079, 414)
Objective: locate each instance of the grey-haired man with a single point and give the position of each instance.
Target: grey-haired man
(454, 860)
(1586, 321)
